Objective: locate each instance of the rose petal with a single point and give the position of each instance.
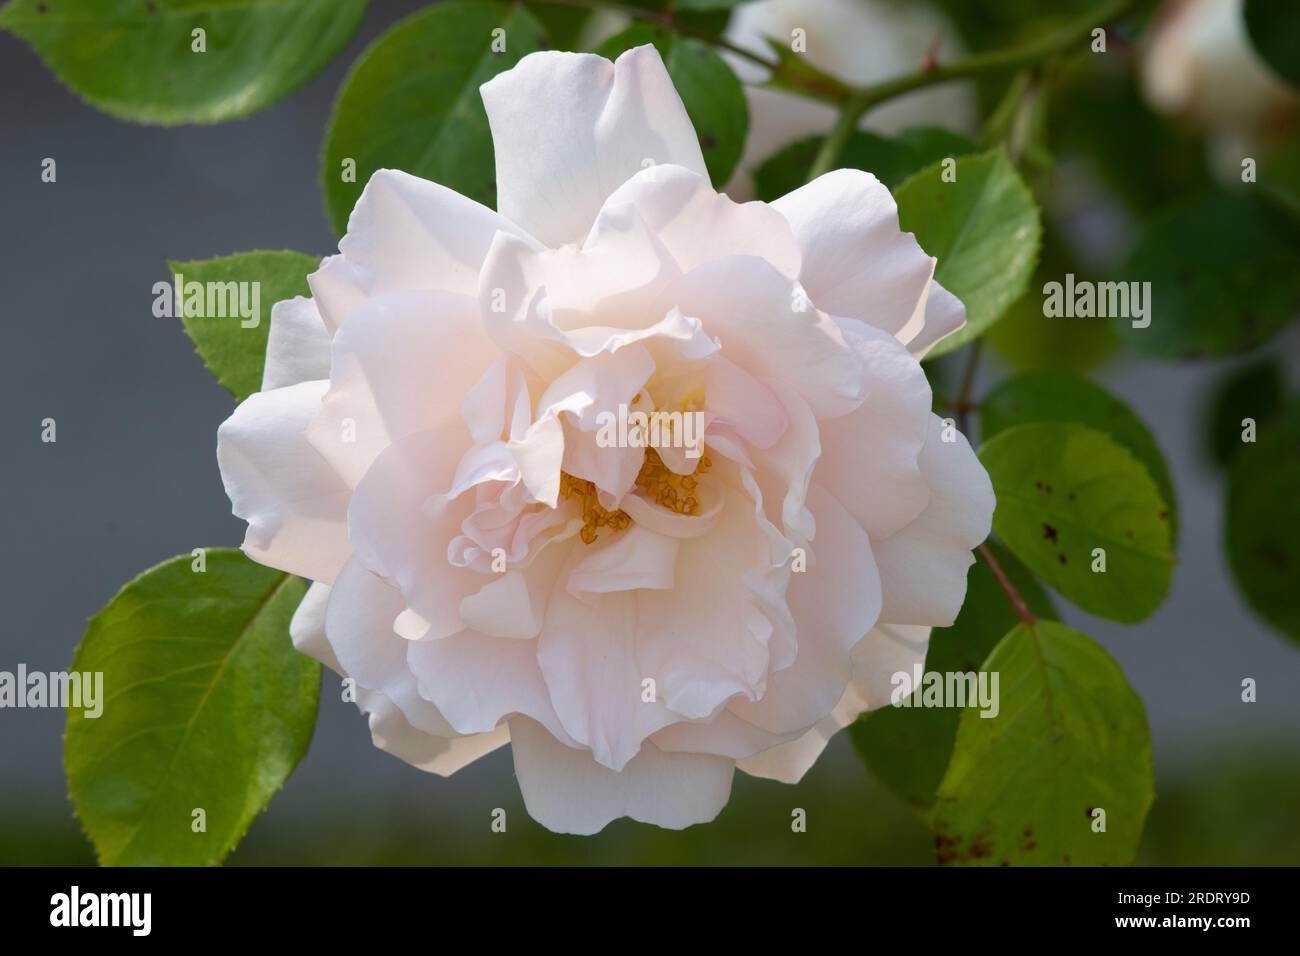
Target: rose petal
(294, 502)
(570, 128)
(568, 792)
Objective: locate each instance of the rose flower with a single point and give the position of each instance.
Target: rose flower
(638, 618)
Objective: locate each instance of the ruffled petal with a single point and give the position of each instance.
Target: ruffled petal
(297, 345)
(923, 566)
(294, 502)
(570, 128)
(567, 791)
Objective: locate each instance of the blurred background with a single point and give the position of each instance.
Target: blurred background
(132, 480)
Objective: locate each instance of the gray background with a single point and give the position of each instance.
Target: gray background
(133, 480)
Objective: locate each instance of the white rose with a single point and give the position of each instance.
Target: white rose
(1198, 63)
(425, 450)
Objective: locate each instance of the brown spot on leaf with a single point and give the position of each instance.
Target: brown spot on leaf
(1049, 532)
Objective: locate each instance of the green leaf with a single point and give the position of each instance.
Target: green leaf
(562, 25)
(983, 228)
(1053, 397)
(206, 705)
(710, 91)
(1253, 392)
(1065, 490)
(411, 102)
(1223, 275)
(889, 160)
(1070, 738)
(135, 59)
(1027, 339)
(233, 353)
(908, 748)
(1263, 521)
(1274, 29)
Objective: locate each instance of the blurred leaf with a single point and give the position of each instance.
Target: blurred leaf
(562, 25)
(134, 59)
(232, 353)
(1263, 521)
(889, 160)
(412, 102)
(1223, 275)
(1053, 397)
(1254, 392)
(1065, 490)
(1274, 29)
(908, 748)
(206, 705)
(984, 230)
(1071, 737)
(710, 91)
(1028, 339)
(1099, 114)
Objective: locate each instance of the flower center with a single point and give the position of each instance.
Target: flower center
(656, 481)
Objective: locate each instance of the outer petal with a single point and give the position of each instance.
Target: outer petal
(869, 458)
(294, 503)
(835, 602)
(405, 233)
(857, 261)
(297, 346)
(397, 537)
(565, 790)
(940, 313)
(888, 649)
(391, 731)
(570, 128)
(697, 224)
(767, 327)
(923, 566)
(402, 363)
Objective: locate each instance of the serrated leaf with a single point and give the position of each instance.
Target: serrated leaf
(1263, 521)
(206, 706)
(891, 160)
(1070, 738)
(1063, 491)
(984, 229)
(135, 59)
(1223, 275)
(908, 748)
(233, 352)
(411, 102)
(710, 91)
(1055, 397)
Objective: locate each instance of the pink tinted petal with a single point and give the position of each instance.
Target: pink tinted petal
(401, 363)
(570, 128)
(923, 566)
(870, 457)
(294, 502)
(406, 233)
(697, 224)
(567, 791)
(857, 262)
(297, 345)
